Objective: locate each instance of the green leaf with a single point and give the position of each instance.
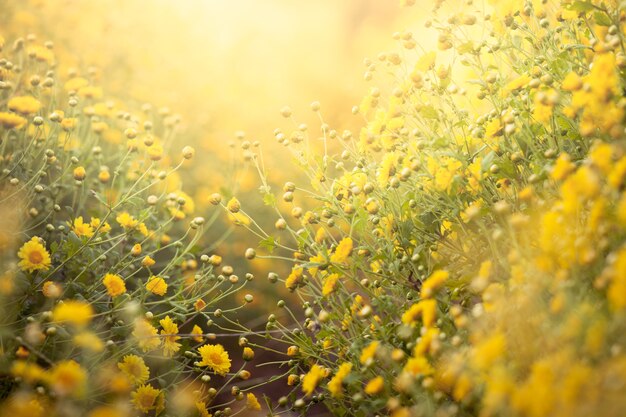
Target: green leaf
(602, 19)
(429, 112)
(487, 161)
(269, 244)
(581, 6)
(466, 47)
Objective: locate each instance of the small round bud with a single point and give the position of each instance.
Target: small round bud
(188, 152)
(215, 199)
(130, 133)
(285, 112)
(248, 354)
(79, 173)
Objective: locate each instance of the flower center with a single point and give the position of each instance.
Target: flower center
(35, 257)
(216, 358)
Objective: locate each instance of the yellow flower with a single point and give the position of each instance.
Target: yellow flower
(145, 398)
(106, 411)
(142, 229)
(248, 354)
(294, 278)
(170, 333)
(335, 385)
(156, 285)
(136, 249)
(572, 82)
(147, 262)
(11, 120)
(75, 84)
(147, 335)
(418, 366)
(197, 331)
(343, 251)
(77, 313)
(375, 386)
(489, 350)
(79, 173)
(114, 284)
(135, 369)
(516, 84)
(215, 357)
(95, 223)
(52, 289)
(330, 284)
(367, 354)
(28, 371)
(24, 105)
(89, 340)
(312, 379)
(251, 402)
(67, 377)
(127, 221)
(563, 167)
(433, 282)
(427, 309)
(293, 379)
(104, 176)
(201, 407)
(199, 305)
(82, 229)
(34, 256)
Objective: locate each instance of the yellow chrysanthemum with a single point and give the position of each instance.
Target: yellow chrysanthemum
(127, 221)
(215, 357)
(170, 336)
(107, 411)
(375, 386)
(67, 377)
(145, 398)
(77, 313)
(312, 379)
(81, 228)
(433, 282)
(294, 278)
(343, 251)
(198, 332)
(156, 285)
(251, 402)
(147, 262)
(24, 105)
(11, 120)
(147, 335)
(89, 341)
(52, 289)
(34, 256)
(202, 410)
(135, 369)
(335, 385)
(367, 354)
(114, 284)
(330, 284)
(95, 223)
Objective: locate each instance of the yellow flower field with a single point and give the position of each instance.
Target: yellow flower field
(352, 208)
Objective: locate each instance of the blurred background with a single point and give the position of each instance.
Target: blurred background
(223, 65)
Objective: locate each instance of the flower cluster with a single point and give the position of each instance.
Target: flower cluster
(108, 281)
(462, 253)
